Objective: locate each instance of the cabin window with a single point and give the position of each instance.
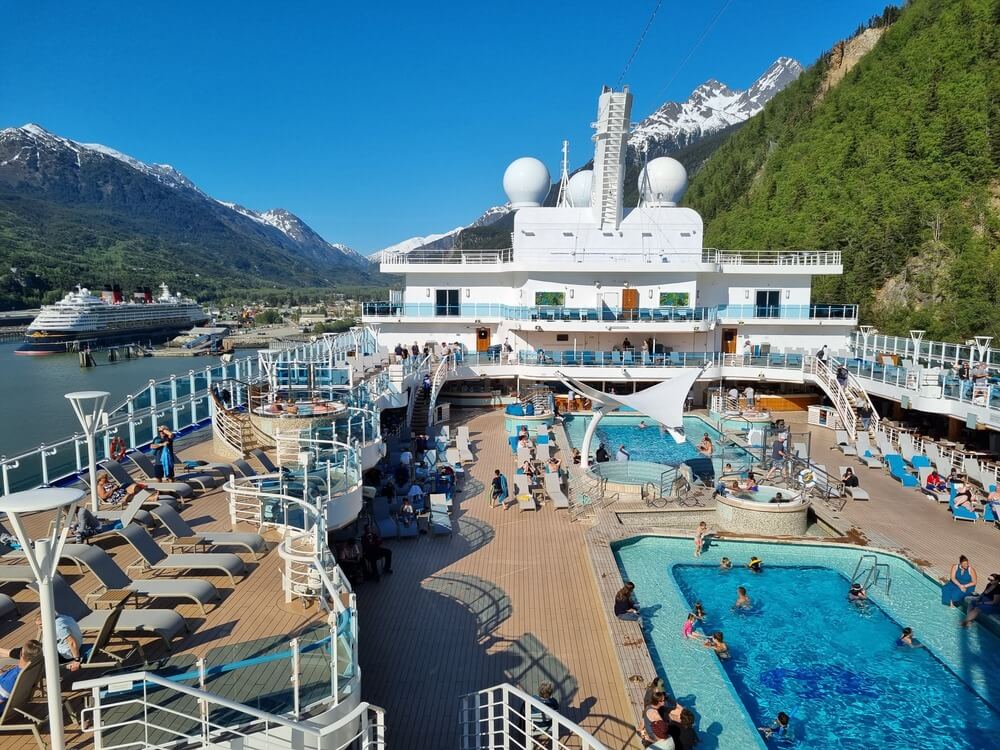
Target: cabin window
(562, 337)
(675, 299)
(446, 302)
(552, 299)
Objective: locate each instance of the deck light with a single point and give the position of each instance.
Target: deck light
(43, 559)
(89, 409)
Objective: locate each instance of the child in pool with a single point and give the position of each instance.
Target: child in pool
(689, 625)
(699, 612)
(742, 600)
(699, 538)
(778, 729)
(717, 644)
(756, 564)
(726, 564)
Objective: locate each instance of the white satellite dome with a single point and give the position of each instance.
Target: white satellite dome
(579, 188)
(526, 182)
(662, 182)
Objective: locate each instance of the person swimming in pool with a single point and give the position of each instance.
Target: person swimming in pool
(699, 612)
(756, 565)
(642, 424)
(906, 639)
(857, 593)
(725, 564)
(705, 446)
(778, 729)
(742, 600)
(717, 644)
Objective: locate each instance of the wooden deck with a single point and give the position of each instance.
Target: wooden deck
(508, 598)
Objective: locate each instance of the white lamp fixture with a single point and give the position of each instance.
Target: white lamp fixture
(916, 335)
(43, 559)
(89, 409)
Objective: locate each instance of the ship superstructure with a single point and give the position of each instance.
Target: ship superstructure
(81, 318)
(591, 277)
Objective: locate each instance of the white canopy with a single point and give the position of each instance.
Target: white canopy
(663, 402)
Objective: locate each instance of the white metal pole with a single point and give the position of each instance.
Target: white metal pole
(92, 464)
(53, 685)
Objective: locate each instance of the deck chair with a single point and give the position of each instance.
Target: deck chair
(164, 624)
(120, 474)
(110, 576)
(855, 493)
(8, 610)
(386, 524)
(117, 519)
(523, 454)
(441, 500)
(922, 473)
(464, 452)
(897, 470)
(525, 500)
(970, 467)
(866, 454)
(554, 490)
(153, 559)
(463, 432)
(844, 443)
(932, 451)
(453, 457)
(908, 450)
(961, 514)
(16, 716)
(16, 574)
(202, 480)
(177, 527)
(440, 521)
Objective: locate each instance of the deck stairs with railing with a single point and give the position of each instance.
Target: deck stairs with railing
(844, 398)
(438, 379)
(506, 718)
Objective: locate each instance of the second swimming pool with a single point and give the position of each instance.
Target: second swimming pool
(804, 649)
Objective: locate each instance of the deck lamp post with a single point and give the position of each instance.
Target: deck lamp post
(866, 331)
(43, 559)
(982, 346)
(89, 409)
(916, 335)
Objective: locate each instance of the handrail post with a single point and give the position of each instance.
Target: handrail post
(296, 706)
(173, 401)
(152, 409)
(203, 705)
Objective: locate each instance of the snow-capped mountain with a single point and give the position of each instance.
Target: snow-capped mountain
(444, 240)
(711, 107)
(36, 160)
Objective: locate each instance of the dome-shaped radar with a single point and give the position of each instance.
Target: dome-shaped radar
(526, 182)
(662, 182)
(579, 188)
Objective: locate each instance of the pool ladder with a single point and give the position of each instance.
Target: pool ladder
(871, 576)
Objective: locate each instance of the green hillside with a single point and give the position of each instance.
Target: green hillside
(897, 166)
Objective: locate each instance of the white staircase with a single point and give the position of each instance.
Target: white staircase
(612, 137)
(445, 366)
(843, 398)
(504, 718)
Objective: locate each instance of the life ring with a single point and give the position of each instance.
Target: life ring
(117, 448)
(807, 477)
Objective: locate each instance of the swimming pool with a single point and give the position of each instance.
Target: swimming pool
(649, 445)
(805, 650)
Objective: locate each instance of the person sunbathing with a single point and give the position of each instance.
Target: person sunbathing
(528, 469)
(936, 482)
(554, 465)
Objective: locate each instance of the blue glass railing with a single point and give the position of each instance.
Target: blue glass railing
(631, 358)
(986, 393)
(553, 313)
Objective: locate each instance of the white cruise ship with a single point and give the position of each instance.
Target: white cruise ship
(603, 292)
(81, 318)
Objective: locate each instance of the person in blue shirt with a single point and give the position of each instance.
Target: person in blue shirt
(778, 729)
(69, 643)
(28, 653)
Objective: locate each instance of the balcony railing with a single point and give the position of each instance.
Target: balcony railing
(554, 314)
(630, 358)
(789, 312)
(560, 256)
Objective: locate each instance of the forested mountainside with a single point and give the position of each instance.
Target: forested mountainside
(895, 163)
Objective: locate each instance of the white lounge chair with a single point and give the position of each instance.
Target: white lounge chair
(868, 455)
(525, 500)
(464, 452)
(523, 454)
(554, 490)
(855, 493)
(844, 443)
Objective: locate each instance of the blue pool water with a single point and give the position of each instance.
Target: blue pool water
(649, 444)
(804, 649)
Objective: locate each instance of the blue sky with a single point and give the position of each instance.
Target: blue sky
(375, 121)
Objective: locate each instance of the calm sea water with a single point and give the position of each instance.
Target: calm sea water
(32, 408)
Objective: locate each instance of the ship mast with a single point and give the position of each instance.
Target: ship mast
(563, 200)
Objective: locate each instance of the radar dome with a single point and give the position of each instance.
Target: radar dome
(579, 188)
(526, 182)
(662, 182)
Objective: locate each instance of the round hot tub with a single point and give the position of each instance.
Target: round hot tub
(774, 511)
(271, 419)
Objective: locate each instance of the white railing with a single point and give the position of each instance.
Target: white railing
(446, 365)
(773, 257)
(506, 718)
(183, 402)
(933, 353)
(448, 257)
(422, 368)
(837, 394)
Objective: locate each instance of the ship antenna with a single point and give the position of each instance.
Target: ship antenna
(563, 200)
(644, 187)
